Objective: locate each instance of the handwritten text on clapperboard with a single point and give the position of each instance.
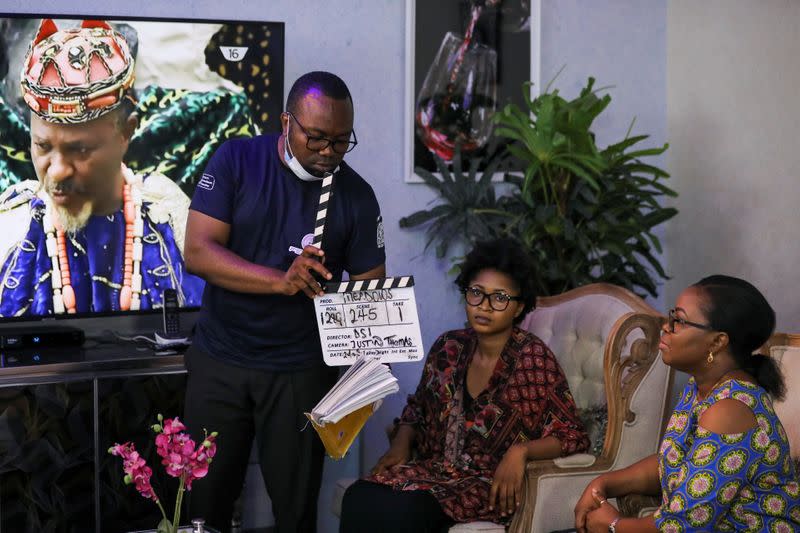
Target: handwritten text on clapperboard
(379, 322)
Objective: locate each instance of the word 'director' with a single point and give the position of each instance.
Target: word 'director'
(375, 318)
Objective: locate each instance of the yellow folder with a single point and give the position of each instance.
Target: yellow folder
(338, 437)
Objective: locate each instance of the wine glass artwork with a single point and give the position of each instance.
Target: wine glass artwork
(458, 97)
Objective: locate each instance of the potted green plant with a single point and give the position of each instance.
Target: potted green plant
(469, 210)
(587, 214)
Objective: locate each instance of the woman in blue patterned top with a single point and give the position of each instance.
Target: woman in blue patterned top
(724, 463)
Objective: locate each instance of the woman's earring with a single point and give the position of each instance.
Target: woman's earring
(710, 357)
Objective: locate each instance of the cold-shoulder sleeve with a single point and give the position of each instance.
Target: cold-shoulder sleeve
(702, 495)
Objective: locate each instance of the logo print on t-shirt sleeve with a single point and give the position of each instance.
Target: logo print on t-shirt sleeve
(379, 237)
(307, 240)
(207, 182)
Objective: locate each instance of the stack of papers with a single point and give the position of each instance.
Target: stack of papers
(365, 382)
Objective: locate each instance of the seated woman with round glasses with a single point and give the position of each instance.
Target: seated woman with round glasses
(491, 397)
(724, 462)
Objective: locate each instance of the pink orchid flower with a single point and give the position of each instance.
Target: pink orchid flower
(180, 457)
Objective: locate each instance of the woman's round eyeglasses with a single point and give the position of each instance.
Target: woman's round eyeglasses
(497, 300)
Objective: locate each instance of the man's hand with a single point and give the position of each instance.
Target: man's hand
(507, 486)
(299, 278)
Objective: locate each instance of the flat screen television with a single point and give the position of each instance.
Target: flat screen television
(74, 243)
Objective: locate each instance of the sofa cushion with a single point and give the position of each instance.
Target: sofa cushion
(576, 332)
(486, 527)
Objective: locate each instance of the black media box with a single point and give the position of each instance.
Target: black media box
(40, 337)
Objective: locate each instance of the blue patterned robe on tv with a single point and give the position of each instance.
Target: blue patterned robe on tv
(95, 253)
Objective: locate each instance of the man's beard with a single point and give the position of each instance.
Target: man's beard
(71, 223)
(74, 222)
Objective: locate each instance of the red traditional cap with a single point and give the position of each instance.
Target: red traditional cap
(76, 75)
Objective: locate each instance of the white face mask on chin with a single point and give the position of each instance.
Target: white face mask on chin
(295, 166)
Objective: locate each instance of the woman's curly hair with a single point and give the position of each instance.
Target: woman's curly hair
(507, 256)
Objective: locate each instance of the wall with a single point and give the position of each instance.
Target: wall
(621, 43)
(733, 120)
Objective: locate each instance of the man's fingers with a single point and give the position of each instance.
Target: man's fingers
(303, 266)
(304, 281)
(318, 267)
(308, 291)
(301, 277)
(312, 251)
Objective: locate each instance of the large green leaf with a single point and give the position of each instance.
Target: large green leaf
(421, 217)
(625, 144)
(657, 217)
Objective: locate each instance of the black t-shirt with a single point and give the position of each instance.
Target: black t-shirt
(272, 213)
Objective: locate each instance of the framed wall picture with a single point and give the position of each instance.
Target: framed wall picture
(465, 59)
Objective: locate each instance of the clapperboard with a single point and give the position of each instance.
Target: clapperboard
(376, 317)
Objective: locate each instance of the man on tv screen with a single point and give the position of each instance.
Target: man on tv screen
(92, 235)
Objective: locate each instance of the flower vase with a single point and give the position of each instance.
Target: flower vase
(181, 529)
(198, 526)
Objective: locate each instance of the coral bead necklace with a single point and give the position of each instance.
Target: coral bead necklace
(64, 299)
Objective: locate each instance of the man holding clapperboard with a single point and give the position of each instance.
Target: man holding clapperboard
(254, 233)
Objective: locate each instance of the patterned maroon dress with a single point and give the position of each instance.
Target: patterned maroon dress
(459, 448)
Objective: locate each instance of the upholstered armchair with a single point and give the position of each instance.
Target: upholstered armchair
(785, 348)
(606, 340)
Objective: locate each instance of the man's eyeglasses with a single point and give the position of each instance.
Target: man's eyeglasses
(672, 318)
(497, 300)
(318, 144)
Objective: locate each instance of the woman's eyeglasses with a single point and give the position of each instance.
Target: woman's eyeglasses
(497, 300)
(673, 318)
